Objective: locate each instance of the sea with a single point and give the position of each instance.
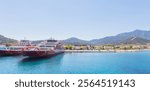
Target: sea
(79, 63)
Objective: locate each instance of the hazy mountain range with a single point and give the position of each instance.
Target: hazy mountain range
(134, 37)
(141, 37)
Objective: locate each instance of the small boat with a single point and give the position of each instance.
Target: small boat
(10, 51)
(44, 49)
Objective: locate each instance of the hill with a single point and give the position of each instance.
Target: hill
(75, 41)
(135, 40)
(6, 40)
(141, 35)
(122, 37)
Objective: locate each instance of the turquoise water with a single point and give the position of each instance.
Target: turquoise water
(79, 63)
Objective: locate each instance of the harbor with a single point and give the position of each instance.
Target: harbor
(51, 47)
(52, 57)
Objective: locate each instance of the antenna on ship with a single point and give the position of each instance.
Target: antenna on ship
(51, 38)
(24, 38)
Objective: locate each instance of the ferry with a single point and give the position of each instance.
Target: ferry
(13, 50)
(46, 48)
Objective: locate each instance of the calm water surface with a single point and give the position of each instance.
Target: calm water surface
(79, 63)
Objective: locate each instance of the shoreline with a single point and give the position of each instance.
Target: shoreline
(104, 51)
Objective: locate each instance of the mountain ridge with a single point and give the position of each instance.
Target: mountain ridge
(141, 35)
(74, 41)
(117, 39)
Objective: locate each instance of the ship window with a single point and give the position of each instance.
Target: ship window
(2, 48)
(51, 40)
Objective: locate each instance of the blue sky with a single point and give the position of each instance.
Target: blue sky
(61, 19)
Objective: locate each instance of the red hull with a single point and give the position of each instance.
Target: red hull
(9, 53)
(38, 53)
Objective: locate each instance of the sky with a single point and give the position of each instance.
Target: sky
(62, 19)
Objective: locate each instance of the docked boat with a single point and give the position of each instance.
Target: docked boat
(11, 50)
(44, 49)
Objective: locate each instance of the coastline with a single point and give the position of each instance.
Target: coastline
(103, 51)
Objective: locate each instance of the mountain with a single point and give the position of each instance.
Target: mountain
(135, 40)
(141, 35)
(75, 41)
(122, 37)
(6, 40)
(134, 37)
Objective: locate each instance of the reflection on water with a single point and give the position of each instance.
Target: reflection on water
(36, 60)
(28, 59)
(39, 65)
